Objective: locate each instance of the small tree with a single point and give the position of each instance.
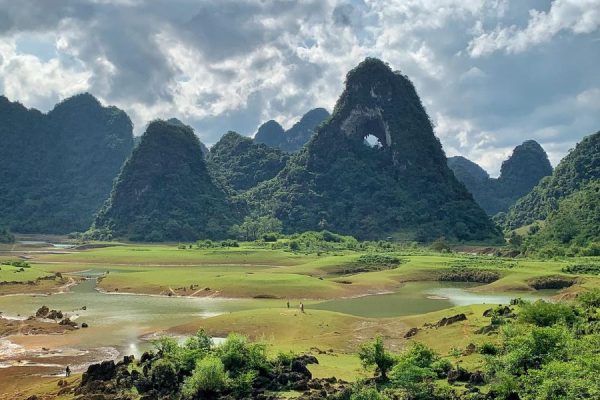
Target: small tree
(440, 245)
(373, 353)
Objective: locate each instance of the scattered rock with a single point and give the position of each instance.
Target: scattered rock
(476, 378)
(450, 320)
(458, 375)
(411, 332)
(484, 330)
(471, 348)
(104, 371)
(42, 312)
(84, 325)
(68, 322)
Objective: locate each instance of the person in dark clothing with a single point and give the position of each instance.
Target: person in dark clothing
(288, 304)
(68, 371)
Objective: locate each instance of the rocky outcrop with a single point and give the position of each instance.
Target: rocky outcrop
(450, 320)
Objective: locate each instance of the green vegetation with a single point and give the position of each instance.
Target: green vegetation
(58, 168)
(550, 351)
(590, 268)
(256, 227)
(6, 236)
(402, 188)
(573, 228)
(240, 164)
(292, 140)
(580, 166)
(165, 193)
(518, 175)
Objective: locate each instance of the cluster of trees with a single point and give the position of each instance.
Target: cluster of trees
(240, 164)
(199, 369)
(551, 352)
(518, 175)
(6, 236)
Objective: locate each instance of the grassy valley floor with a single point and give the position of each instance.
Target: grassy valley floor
(136, 292)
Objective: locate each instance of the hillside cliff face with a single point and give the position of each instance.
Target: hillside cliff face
(292, 140)
(58, 167)
(580, 167)
(400, 186)
(527, 165)
(164, 191)
(240, 163)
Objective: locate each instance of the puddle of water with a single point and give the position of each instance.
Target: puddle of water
(418, 298)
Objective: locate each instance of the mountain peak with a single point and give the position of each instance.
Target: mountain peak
(527, 164)
(164, 191)
(402, 187)
(270, 133)
(85, 99)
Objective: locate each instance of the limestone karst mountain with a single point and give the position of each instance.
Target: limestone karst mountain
(164, 191)
(240, 163)
(58, 168)
(527, 165)
(292, 140)
(399, 185)
(580, 167)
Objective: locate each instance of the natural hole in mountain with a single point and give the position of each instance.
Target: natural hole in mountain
(373, 141)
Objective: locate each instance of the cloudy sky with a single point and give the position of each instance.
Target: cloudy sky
(491, 73)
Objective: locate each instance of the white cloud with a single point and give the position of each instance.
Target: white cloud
(235, 64)
(35, 82)
(577, 16)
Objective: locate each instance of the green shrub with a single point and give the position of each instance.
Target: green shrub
(239, 356)
(488, 349)
(588, 268)
(209, 377)
(241, 385)
(542, 313)
(163, 376)
(367, 394)
(590, 298)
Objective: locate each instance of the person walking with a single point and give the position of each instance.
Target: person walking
(302, 307)
(67, 371)
(288, 304)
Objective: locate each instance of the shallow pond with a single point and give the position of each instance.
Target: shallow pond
(123, 323)
(421, 297)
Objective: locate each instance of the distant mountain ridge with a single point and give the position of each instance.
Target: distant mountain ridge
(292, 140)
(526, 166)
(578, 168)
(402, 187)
(240, 163)
(58, 167)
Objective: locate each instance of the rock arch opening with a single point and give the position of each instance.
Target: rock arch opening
(367, 127)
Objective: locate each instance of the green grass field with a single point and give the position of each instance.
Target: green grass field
(252, 271)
